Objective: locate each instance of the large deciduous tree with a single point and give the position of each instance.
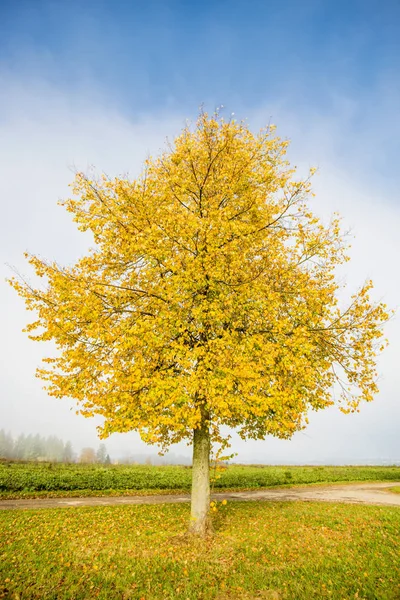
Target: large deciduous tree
(209, 299)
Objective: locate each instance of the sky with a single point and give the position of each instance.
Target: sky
(104, 82)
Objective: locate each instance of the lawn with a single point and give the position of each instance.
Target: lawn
(259, 551)
(38, 479)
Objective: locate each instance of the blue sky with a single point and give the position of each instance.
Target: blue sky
(173, 55)
(103, 83)
(158, 54)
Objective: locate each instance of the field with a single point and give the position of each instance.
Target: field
(37, 479)
(260, 551)
(279, 551)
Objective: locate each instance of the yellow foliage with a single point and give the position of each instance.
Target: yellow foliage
(210, 294)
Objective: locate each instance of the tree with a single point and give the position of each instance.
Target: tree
(68, 453)
(88, 455)
(101, 454)
(31, 447)
(38, 450)
(54, 449)
(6, 445)
(209, 299)
(20, 447)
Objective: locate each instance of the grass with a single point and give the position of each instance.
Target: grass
(279, 551)
(38, 479)
(396, 489)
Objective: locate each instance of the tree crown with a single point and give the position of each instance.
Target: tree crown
(210, 296)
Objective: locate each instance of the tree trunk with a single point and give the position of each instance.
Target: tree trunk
(200, 522)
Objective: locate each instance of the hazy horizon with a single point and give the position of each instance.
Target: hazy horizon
(128, 456)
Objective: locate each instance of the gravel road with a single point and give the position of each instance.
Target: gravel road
(354, 493)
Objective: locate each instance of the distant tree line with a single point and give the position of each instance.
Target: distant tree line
(51, 448)
(88, 455)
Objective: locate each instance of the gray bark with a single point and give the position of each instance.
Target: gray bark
(200, 522)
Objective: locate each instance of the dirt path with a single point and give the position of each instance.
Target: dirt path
(355, 493)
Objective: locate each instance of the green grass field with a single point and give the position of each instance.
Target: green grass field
(279, 551)
(36, 479)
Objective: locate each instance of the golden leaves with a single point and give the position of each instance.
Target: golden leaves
(211, 281)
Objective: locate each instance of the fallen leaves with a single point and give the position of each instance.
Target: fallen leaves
(259, 551)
